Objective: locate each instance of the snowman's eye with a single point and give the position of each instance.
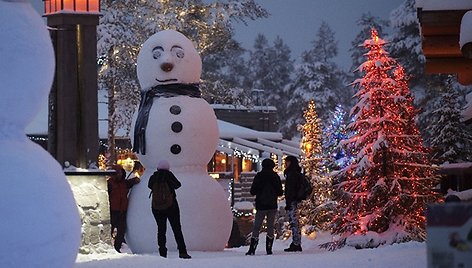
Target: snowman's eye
(157, 52)
(178, 51)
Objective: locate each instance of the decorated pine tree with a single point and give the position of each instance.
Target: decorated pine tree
(336, 156)
(315, 212)
(311, 141)
(384, 191)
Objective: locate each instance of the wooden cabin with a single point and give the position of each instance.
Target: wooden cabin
(446, 45)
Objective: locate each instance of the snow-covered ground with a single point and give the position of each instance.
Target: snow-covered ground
(411, 254)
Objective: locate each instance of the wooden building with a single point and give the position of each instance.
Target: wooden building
(456, 177)
(261, 118)
(445, 33)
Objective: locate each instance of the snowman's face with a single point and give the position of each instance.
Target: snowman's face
(168, 57)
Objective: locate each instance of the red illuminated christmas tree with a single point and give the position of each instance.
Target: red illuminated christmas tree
(382, 194)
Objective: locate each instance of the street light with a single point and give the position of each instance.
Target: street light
(53, 6)
(73, 106)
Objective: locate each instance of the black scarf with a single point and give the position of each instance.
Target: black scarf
(147, 99)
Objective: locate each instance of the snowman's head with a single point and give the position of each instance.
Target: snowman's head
(168, 57)
(26, 63)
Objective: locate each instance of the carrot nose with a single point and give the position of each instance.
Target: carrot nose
(167, 67)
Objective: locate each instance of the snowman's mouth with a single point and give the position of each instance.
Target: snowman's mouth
(166, 80)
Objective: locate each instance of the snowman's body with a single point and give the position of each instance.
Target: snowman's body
(40, 224)
(182, 130)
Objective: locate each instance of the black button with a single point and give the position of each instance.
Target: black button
(176, 127)
(175, 109)
(175, 149)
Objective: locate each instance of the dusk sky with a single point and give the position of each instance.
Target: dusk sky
(297, 22)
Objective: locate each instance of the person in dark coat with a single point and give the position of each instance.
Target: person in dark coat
(293, 175)
(172, 213)
(118, 188)
(266, 186)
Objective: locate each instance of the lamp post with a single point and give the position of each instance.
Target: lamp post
(73, 108)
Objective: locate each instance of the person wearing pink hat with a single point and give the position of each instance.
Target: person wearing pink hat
(163, 184)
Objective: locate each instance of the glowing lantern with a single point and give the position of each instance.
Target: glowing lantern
(67, 6)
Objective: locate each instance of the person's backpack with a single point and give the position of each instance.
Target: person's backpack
(162, 197)
(305, 188)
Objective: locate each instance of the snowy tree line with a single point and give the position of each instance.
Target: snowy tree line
(232, 72)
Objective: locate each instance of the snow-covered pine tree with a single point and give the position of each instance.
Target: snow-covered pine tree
(223, 76)
(117, 35)
(280, 73)
(406, 40)
(449, 138)
(259, 63)
(316, 211)
(316, 77)
(269, 67)
(384, 192)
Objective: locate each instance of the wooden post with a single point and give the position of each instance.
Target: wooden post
(73, 105)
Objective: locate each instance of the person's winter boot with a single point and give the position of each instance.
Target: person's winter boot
(184, 255)
(293, 248)
(252, 247)
(117, 247)
(269, 243)
(163, 252)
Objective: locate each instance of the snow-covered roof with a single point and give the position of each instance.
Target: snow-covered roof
(229, 130)
(467, 112)
(287, 149)
(466, 29)
(242, 107)
(444, 4)
(463, 195)
(464, 165)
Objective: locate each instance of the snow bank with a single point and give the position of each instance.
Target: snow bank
(466, 29)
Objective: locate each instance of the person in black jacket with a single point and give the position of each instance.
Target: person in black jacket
(266, 186)
(292, 175)
(172, 213)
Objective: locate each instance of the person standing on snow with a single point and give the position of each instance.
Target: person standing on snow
(163, 212)
(118, 188)
(266, 186)
(293, 175)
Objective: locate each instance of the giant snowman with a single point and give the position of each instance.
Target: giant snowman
(174, 123)
(40, 224)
